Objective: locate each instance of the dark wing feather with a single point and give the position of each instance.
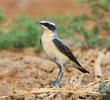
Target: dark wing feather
(66, 51)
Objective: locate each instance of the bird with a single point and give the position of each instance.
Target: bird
(57, 51)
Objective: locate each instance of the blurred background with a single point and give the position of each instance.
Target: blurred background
(38, 8)
(84, 20)
(84, 25)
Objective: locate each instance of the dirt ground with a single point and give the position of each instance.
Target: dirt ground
(24, 72)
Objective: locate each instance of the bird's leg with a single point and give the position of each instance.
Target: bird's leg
(60, 75)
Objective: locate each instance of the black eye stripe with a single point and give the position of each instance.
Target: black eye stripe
(49, 26)
(45, 24)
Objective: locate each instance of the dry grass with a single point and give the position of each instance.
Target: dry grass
(81, 91)
(90, 90)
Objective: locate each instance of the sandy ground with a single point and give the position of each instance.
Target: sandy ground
(24, 70)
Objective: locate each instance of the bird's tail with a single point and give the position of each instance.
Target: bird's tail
(83, 70)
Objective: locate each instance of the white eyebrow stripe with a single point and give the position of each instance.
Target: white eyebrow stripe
(48, 22)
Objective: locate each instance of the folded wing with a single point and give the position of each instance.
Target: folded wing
(66, 51)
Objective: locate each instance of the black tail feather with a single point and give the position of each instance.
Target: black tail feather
(83, 70)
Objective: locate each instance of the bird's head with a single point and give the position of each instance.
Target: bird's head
(47, 25)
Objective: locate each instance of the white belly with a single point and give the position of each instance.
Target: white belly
(51, 50)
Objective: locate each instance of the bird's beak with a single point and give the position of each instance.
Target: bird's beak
(37, 22)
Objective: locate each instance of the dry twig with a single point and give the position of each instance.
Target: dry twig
(83, 91)
(97, 66)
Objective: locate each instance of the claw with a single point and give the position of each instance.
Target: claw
(60, 85)
(52, 85)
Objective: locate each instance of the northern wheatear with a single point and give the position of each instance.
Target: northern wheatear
(56, 50)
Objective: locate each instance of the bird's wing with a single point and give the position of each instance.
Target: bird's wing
(66, 51)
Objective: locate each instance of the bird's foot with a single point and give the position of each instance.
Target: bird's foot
(60, 85)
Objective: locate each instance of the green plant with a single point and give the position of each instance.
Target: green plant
(104, 91)
(22, 33)
(2, 15)
(101, 25)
